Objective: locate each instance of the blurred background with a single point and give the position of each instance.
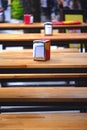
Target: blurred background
(42, 10)
(12, 11)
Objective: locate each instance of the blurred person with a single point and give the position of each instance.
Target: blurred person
(31, 7)
(76, 4)
(60, 4)
(48, 9)
(4, 4)
(65, 4)
(3, 7)
(54, 11)
(69, 4)
(84, 6)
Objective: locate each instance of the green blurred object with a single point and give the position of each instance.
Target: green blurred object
(16, 10)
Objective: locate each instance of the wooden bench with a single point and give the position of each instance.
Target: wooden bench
(44, 75)
(56, 98)
(40, 78)
(44, 121)
(43, 94)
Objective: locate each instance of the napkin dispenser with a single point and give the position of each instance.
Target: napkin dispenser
(41, 50)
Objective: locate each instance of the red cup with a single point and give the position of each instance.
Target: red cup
(27, 18)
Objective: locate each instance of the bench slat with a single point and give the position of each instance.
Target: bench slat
(58, 50)
(55, 37)
(57, 121)
(44, 94)
(45, 75)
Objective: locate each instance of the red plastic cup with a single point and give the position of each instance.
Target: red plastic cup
(27, 18)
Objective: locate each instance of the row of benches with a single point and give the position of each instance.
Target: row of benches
(60, 97)
(43, 99)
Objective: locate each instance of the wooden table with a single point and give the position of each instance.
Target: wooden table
(24, 59)
(58, 98)
(44, 121)
(22, 62)
(37, 26)
(26, 40)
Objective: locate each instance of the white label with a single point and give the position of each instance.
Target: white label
(48, 29)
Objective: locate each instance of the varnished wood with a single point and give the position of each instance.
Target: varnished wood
(45, 75)
(57, 50)
(24, 59)
(37, 25)
(65, 50)
(36, 36)
(43, 94)
(44, 121)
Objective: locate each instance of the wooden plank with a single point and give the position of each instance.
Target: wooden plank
(36, 36)
(65, 50)
(45, 75)
(43, 94)
(22, 59)
(37, 25)
(57, 50)
(44, 121)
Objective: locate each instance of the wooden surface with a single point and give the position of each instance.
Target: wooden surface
(43, 94)
(57, 50)
(24, 59)
(45, 75)
(36, 36)
(64, 50)
(46, 121)
(36, 25)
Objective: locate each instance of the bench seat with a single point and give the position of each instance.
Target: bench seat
(45, 75)
(43, 94)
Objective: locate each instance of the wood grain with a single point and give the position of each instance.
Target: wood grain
(43, 94)
(46, 121)
(36, 25)
(36, 36)
(45, 75)
(24, 59)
